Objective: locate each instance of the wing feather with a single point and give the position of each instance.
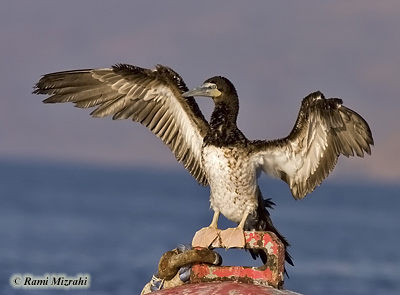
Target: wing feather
(151, 97)
(324, 129)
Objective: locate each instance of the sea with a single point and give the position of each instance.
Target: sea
(114, 223)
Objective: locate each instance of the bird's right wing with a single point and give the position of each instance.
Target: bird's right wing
(324, 129)
(151, 97)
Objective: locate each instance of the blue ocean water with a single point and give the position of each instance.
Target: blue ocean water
(115, 223)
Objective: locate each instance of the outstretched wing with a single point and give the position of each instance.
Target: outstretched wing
(324, 129)
(151, 97)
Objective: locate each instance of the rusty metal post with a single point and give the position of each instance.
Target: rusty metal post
(270, 274)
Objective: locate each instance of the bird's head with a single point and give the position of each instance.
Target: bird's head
(216, 87)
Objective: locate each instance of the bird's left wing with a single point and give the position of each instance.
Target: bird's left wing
(151, 97)
(324, 129)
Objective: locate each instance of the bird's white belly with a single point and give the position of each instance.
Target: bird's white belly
(232, 180)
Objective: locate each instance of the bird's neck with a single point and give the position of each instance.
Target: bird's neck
(223, 116)
(224, 130)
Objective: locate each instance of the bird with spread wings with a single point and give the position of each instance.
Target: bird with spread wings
(216, 153)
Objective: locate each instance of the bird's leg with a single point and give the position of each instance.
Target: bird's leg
(207, 235)
(234, 237)
(214, 222)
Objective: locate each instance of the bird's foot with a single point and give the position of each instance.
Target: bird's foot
(233, 238)
(205, 237)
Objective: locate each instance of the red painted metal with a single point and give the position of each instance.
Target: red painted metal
(272, 273)
(223, 288)
(239, 280)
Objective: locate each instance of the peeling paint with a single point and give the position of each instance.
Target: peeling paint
(270, 274)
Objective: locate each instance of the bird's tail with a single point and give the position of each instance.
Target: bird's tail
(263, 222)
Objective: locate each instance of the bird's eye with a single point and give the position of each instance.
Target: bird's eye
(213, 86)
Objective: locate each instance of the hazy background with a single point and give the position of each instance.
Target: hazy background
(275, 53)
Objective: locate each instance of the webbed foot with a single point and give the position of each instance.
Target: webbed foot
(205, 237)
(233, 238)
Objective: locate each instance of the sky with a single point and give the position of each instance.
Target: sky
(274, 52)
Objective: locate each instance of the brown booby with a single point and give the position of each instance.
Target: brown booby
(216, 153)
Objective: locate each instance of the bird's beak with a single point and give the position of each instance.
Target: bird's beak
(207, 89)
